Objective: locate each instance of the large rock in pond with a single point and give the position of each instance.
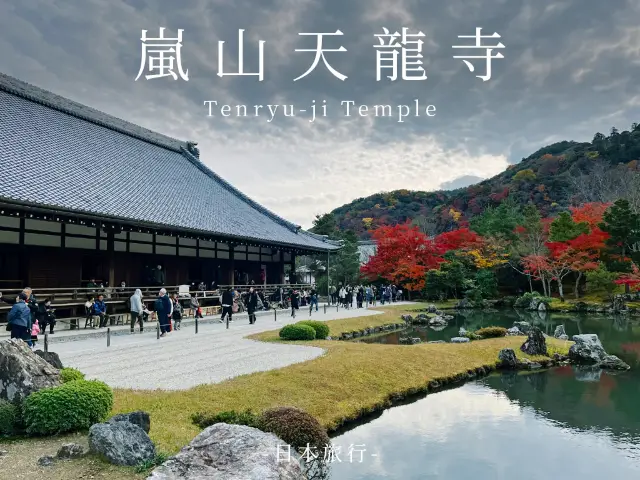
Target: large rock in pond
(459, 340)
(587, 349)
(507, 358)
(524, 327)
(611, 362)
(438, 321)
(535, 343)
(559, 331)
(121, 443)
(22, 372)
(51, 358)
(232, 452)
(139, 418)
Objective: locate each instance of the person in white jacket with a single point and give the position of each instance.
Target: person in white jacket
(137, 309)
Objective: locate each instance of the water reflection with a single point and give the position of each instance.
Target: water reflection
(620, 334)
(513, 426)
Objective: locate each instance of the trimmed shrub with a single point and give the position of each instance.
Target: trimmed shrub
(296, 427)
(321, 328)
(70, 375)
(297, 332)
(472, 336)
(9, 418)
(70, 407)
(248, 418)
(492, 332)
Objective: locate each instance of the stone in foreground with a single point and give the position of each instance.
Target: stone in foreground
(70, 450)
(535, 343)
(611, 362)
(139, 418)
(51, 358)
(231, 452)
(22, 372)
(514, 331)
(46, 461)
(507, 358)
(121, 443)
(459, 340)
(587, 349)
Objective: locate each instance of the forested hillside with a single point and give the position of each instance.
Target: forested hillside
(553, 178)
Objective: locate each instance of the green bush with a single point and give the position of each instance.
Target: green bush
(321, 328)
(9, 418)
(297, 332)
(248, 418)
(70, 407)
(525, 300)
(492, 332)
(472, 336)
(296, 427)
(70, 374)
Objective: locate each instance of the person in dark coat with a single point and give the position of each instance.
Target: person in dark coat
(46, 316)
(19, 319)
(295, 302)
(163, 310)
(227, 305)
(252, 305)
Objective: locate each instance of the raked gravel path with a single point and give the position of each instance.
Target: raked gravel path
(184, 359)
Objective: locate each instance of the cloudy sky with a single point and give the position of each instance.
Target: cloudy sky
(570, 68)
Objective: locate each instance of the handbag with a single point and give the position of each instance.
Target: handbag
(9, 327)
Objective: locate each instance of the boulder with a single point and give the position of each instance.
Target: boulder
(535, 343)
(524, 327)
(437, 341)
(407, 318)
(121, 443)
(422, 317)
(527, 364)
(459, 340)
(559, 331)
(232, 452)
(611, 362)
(138, 418)
(465, 303)
(462, 332)
(51, 358)
(507, 358)
(542, 307)
(46, 461)
(587, 349)
(513, 331)
(22, 372)
(619, 303)
(415, 340)
(534, 304)
(69, 451)
(437, 321)
(437, 328)
(432, 309)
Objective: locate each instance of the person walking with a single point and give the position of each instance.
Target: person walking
(136, 310)
(177, 312)
(313, 299)
(252, 305)
(227, 304)
(163, 312)
(19, 319)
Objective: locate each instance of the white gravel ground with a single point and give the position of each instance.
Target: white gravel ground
(184, 359)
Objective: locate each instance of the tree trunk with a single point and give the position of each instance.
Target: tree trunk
(530, 283)
(544, 287)
(576, 293)
(560, 291)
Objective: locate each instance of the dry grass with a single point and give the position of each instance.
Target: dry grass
(351, 379)
(20, 462)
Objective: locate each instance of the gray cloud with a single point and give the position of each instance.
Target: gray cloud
(570, 68)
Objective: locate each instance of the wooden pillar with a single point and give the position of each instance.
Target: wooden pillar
(112, 259)
(232, 272)
(281, 266)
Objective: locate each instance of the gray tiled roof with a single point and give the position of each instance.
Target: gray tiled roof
(57, 153)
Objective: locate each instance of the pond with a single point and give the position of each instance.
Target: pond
(620, 335)
(567, 422)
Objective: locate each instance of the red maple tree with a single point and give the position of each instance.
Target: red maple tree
(404, 255)
(589, 212)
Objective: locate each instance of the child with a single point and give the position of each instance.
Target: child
(177, 312)
(35, 330)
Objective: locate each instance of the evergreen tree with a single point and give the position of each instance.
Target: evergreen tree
(623, 227)
(563, 228)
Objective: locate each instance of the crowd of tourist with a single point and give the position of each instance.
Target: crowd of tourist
(348, 295)
(28, 317)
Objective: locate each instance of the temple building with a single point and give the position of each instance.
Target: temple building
(85, 195)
